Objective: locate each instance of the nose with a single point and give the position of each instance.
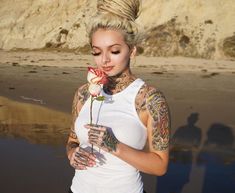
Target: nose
(105, 58)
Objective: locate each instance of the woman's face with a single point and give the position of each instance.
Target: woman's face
(110, 51)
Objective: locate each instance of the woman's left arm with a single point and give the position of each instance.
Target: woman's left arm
(155, 159)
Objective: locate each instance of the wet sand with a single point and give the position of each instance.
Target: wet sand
(203, 89)
(190, 85)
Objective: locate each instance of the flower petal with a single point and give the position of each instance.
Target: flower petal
(96, 76)
(95, 89)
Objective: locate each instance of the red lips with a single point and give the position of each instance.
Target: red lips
(107, 69)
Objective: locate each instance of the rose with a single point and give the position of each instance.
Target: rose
(96, 79)
(96, 76)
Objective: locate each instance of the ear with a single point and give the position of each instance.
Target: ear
(133, 52)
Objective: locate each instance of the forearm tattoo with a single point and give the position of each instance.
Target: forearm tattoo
(109, 141)
(158, 110)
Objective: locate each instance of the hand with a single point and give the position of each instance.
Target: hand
(81, 159)
(102, 137)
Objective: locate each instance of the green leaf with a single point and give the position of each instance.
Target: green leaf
(100, 98)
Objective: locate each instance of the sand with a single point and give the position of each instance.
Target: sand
(190, 85)
(49, 79)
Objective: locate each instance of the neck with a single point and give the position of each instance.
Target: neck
(119, 82)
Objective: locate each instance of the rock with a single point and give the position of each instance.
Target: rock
(203, 29)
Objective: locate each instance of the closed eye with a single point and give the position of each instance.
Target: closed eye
(116, 52)
(95, 53)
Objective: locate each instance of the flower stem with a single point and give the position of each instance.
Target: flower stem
(92, 100)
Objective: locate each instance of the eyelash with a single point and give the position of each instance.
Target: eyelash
(98, 53)
(116, 52)
(95, 54)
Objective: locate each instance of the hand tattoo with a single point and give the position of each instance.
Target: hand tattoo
(102, 137)
(81, 159)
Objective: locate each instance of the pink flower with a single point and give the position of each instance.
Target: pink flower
(96, 76)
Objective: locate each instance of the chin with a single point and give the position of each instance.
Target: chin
(110, 74)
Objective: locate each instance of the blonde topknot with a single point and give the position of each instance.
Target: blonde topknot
(116, 15)
(128, 9)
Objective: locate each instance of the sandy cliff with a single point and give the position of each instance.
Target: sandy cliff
(194, 28)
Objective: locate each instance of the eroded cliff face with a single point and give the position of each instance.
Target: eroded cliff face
(194, 28)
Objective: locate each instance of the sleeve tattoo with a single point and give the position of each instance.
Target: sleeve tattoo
(160, 120)
(80, 96)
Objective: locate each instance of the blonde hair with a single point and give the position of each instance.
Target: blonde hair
(117, 15)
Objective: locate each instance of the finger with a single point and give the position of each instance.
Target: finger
(101, 145)
(95, 127)
(75, 164)
(79, 166)
(83, 161)
(97, 133)
(94, 137)
(87, 154)
(94, 133)
(96, 142)
(80, 159)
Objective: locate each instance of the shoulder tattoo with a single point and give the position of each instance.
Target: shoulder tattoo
(81, 95)
(160, 120)
(140, 100)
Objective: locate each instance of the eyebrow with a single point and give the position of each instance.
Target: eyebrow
(108, 46)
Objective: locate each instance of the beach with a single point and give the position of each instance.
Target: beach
(47, 80)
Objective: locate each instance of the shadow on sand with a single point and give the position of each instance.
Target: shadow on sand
(200, 167)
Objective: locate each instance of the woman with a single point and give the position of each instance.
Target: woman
(131, 130)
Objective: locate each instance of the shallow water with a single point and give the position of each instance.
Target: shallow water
(33, 159)
(33, 168)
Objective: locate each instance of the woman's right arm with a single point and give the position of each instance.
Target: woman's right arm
(76, 154)
(80, 97)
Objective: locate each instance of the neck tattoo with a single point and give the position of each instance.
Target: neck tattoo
(118, 83)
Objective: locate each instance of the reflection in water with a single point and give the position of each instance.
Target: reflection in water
(37, 124)
(31, 168)
(197, 167)
(218, 158)
(32, 146)
(184, 145)
(40, 166)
